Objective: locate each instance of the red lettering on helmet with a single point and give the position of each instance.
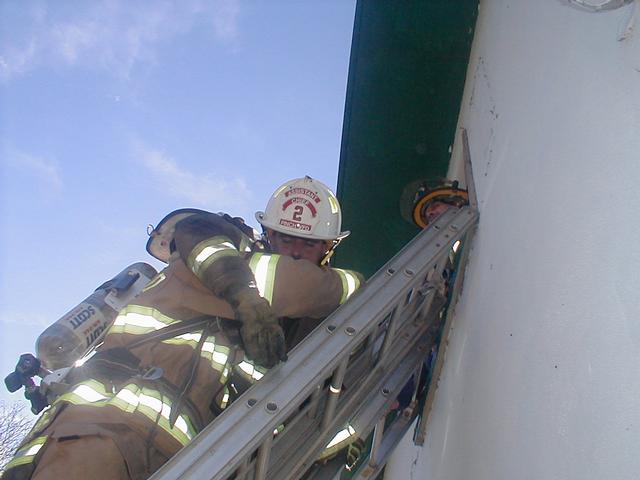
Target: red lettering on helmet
(303, 201)
(303, 191)
(295, 225)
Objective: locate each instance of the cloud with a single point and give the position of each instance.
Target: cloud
(45, 169)
(31, 319)
(208, 191)
(225, 21)
(111, 35)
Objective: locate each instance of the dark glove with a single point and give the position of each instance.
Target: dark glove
(261, 333)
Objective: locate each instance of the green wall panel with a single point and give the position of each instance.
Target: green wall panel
(406, 77)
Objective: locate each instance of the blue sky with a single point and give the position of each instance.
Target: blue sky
(114, 113)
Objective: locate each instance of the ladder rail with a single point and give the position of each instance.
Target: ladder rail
(377, 406)
(349, 402)
(421, 427)
(317, 447)
(376, 381)
(383, 389)
(354, 389)
(225, 444)
(399, 428)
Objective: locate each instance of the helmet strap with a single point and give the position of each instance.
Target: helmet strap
(260, 245)
(330, 252)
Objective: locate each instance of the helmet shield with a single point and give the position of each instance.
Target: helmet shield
(160, 237)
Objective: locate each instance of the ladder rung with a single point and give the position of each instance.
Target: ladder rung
(335, 388)
(263, 458)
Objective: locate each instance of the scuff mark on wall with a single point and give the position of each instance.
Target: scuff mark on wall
(482, 75)
(475, 82)
(488, 108)
(488, 152)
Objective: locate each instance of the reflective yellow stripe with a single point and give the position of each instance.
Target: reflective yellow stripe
(155, 281)
(83, 392)
(350, 283)
(136, 320)
(132, 398)
(208, 251)
(27, 453)
(333, 202)
(263, 266)
(47, 415)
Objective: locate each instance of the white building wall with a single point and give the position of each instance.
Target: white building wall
(542, 373)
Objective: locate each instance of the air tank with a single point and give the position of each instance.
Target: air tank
(79, 330)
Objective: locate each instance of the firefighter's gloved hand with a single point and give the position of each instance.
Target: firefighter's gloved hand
(261, 333)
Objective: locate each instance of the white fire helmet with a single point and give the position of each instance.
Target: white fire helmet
(305, 208)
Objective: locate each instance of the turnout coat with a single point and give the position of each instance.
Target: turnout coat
(173, 358)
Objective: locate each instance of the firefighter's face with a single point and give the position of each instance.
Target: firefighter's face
(298, 248)
(435, 209)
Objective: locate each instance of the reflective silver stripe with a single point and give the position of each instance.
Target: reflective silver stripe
(208, 251)
(33, 449)
(340, 440)
(263, 266)
(27, 453)
(253, 372)
(341, 436)
(189, 337)
(136, 319)
(218, 355)
(88, 394)
(139, 320)
(130, 399)
(350, 283)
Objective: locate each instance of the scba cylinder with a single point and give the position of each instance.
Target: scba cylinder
(84, 326)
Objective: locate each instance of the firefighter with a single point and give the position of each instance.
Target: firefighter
(429, 204)
(292, 226)
(204, 329)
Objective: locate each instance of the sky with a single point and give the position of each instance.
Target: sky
(114, 113)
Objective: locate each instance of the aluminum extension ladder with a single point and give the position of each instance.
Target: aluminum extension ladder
(348, 371)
